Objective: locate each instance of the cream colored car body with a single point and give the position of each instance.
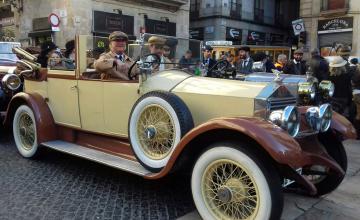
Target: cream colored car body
(105, 106)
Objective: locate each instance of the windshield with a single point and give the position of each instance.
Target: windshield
(178, 53)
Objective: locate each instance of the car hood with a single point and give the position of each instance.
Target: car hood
(220, 87)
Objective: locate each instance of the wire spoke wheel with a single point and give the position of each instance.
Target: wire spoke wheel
(229, 191)
(26, 131)
(156, 131)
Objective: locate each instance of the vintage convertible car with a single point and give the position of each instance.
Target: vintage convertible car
(242, 142)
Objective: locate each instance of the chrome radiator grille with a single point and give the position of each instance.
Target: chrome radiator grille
(280, 103)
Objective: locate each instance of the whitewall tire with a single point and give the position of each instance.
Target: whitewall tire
(228, 183)
(24, 131)
(157, 123)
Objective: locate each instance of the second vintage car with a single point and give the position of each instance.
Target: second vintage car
(242, 142)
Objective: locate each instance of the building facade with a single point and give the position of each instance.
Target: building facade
(99, 18)
(7, 22)
(251, 22)
(330, 23)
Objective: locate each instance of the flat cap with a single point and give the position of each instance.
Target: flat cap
(157, 40)
(299, 51)
(118, 35)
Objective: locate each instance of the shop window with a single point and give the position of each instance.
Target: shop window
(327, 5)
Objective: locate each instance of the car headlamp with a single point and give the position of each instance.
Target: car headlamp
(288, 119)
(327, 89)
(11, 81)
(307, 91)
(325, 114)
(319, 118)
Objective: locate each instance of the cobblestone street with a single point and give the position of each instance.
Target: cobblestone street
(59, 186)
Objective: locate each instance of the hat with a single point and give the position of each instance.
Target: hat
(118, 35)
(299, 51)
(344, 50)
(208, 47)
(157, 40)
(70, 45)
(48, 46)
(245, 48)
(337, 62)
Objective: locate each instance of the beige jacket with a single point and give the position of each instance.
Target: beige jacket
(105, 64)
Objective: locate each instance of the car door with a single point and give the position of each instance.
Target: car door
(119, 98)
(63, 97)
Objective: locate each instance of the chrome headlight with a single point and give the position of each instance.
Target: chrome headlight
(325, 113)
(327, 89)
(319, 118)
(307, 91)
(11, 81)
(287, 119)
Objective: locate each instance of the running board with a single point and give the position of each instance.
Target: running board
(98, 156)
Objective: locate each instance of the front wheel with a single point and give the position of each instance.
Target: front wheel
(24, 131)
(231, 182)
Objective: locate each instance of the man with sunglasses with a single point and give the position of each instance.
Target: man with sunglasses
(115, 63)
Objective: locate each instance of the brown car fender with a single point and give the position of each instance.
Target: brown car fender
(45, 126)
(283, 148)
(343, 127)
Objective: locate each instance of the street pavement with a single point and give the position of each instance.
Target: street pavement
(341, 204)
(60, 186)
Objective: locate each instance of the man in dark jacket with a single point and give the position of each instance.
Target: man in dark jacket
(186, 61)
(297, 65)
(208, 62)
(319, 66)
(245, 63)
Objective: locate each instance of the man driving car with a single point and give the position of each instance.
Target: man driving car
(115, 63)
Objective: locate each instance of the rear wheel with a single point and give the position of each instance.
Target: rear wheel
(231, 182)
(24, 131)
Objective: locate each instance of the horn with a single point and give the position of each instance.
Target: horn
(23, 54)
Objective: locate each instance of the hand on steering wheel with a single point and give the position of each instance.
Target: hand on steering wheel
(222, 68)
(149, 59)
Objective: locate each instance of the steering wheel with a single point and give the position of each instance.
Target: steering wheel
(151, 58)
(219, 71)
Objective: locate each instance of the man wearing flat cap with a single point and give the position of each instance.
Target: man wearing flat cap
(156, 46)
(296, 66)
(245, 63)
(208, 62)
(115, 63)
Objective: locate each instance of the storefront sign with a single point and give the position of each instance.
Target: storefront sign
(334, 25)
(7, 21)
(40, 24)
(219, 43)
(160, 27)
(196, 33)
(233, 34)
(255, 37)
(106, 23)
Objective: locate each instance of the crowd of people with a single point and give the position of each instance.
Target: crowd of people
(344, 73)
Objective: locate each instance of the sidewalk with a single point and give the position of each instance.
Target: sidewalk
(343, 203)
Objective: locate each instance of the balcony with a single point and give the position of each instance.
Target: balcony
(259, 15)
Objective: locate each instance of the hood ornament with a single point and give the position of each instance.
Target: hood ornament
(277, 75)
